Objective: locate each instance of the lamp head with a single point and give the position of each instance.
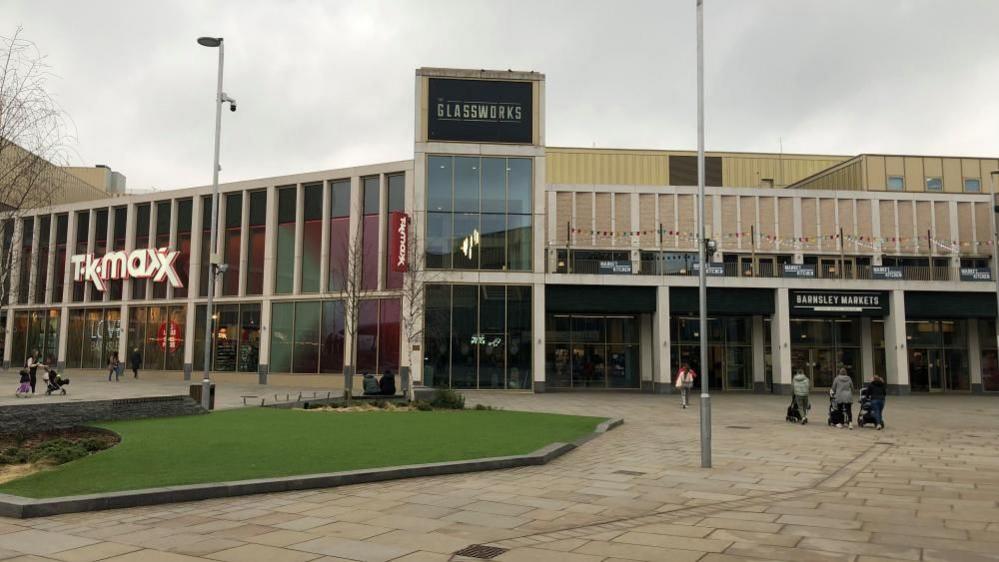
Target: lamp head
(209, 41)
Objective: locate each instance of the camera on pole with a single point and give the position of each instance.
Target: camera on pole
(710, 247)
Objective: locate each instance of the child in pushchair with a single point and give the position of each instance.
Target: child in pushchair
(55, 383)
(864, 416)
(24, 388)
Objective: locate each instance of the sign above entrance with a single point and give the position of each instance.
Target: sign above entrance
(151, 263)
(851, 303)
(480, 111)
(976, 274)
(799, 270)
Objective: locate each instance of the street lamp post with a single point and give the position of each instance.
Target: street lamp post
(214, 261)
(702, 247)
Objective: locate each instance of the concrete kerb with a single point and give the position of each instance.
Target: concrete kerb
(24, 508)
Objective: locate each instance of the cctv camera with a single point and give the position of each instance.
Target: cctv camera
(232, 101)
(232, 106)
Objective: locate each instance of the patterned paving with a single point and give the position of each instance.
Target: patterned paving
(925, 489)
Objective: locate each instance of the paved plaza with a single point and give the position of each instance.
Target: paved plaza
(927, 488)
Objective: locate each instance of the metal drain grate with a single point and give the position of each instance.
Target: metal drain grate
(481, 551)
(738, 427)
(630, 472)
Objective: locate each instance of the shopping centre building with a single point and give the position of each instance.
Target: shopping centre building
(493, 261)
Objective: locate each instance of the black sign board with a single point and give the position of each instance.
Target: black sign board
(480, 111)
(837, 303)
(713, 270)
(976, 274)
(615, 267)
(800, 270)
(889, 272)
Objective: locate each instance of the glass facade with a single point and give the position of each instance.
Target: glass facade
(730, 349)
(206, 242)
(27, 244)
(821, 346)
(989, 355)
(396, 202)
(185, 212)
(479, 213)
(236, 338)
(307, 337)
(162, 240)
(477, 336)
(142, 224)
(339, 233)
(92, 337)
(938, 355)
(285, 272)
(35, 330)
(42, 264)
(157, 334)
(232, 237)
(592, 351)
(59, 274)
(119, 228)
(82, 236)
(257, 243)
(369, 232)
(312, 237)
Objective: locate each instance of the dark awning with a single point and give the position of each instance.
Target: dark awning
(929, 304)
(608, 299)
(734, 301)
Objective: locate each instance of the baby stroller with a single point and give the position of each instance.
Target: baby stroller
(864, 416)
(794, 413)
(55, 383)
(24, 388)
(836, 416)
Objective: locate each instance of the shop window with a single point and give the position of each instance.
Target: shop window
(305, 353)
(142, 223)
(307, 337)
(396, 203)
(729, 349)
(235, 337)
(339, 234)
(479, 213)
(231, 243)
(185, 212)
(74, 335)
(282, 336)
(59, 275)
(331, 354)
(42, 264)
(257, 242)
(19, 340)
(312, 234)
(285, 272)
(369, 233)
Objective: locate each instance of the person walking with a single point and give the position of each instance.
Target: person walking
(842, 394)
(802, 386)
(136, 361)
(114, 367)
(32, 365)
(684, 382)
(877, 392)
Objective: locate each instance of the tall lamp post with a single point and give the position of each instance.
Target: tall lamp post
(215, 265)
(702, 247)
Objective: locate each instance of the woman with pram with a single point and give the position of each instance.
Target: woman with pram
(874, 395)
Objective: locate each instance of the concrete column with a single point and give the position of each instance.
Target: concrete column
(50, 265)
(123, 343)
(296, 283)
(538, 335)
(866, 350)
(36, 246)
(759, 353)
(382, 228)
(974, 357)
(67, 279)
(782, 343)
(130, 213)
(174, 221)
(661, 360)
(244, 242)
(63, 339)
(645, 359)
(896, 352)
(197, 234)
(270, 244)
(324, 240)
(263, 367)
(189, 334)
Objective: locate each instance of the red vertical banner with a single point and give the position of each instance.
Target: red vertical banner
(399, 242)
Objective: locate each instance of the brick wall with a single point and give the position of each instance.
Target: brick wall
(40, 417)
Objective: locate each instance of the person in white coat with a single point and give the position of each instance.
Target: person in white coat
(684, 382)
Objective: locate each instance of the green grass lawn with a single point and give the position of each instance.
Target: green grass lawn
(265, 442)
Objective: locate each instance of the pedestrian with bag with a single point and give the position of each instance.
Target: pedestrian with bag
(841, 393)
(684, 382)
(802, 386)
(877, 392)
(32, 366)
(114, 367)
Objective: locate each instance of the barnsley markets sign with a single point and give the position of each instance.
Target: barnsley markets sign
(151, 263)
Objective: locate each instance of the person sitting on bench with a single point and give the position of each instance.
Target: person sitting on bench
(387, 383)
(371, 386)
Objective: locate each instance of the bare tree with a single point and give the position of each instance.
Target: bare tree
(32, 142)
(348, 277)
(414, 298)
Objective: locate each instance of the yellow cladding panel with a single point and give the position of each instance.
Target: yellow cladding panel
(750, 171)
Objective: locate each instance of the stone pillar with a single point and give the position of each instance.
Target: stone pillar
(51, 242)
(324, 244)
(123, 343)
(538, 336)
(661, 360)
(63, 340)
(866, 351)
(296, 283)
(67, 279)
(190, 327)
(263, 367)
(646, 341)
(197, 235)
(270, 244)
(974, 356)
(896, 352)
(36, 247)
(781, 338)
(759, 356)
(244, 243)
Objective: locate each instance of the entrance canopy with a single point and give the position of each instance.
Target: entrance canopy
(609, 299)
(732, 301)
(938, 304)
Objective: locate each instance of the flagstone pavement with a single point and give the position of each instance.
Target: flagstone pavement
(926, 488)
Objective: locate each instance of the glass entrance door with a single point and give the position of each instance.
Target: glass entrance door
(819, 365)
(592, 351)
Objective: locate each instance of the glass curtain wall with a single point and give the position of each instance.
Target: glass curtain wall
(312, 236)
(730, 349)
(257, 243)
(59, 275)
(479, 213)
(592, 351)
(369, 233)
(820, 347)
(477, 336)
(93, 337)
(36, 330)
(82, 234)
(989, 354)
(938, 355)
(27, 239)
(339, 233)
(206, 242)
(878, 348)
(307, 337)
(42, 265)
(396, 203)
(157, 333)
(118, 229)
(185, 211)
(378, 336)
(162, 241)
(285, 272)
(236, 339)
(231, 243)
(142, 222)
(100, 245)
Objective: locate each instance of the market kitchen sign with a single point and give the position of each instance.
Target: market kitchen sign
(867, 303)
(480, 111)
(151, 263)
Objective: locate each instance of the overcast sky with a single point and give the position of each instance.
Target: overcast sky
(325, 84)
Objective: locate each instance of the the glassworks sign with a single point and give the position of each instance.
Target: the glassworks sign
(152, 263)
(854, 303)
(480, 111)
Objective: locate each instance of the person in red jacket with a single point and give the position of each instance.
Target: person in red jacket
(684, 382)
